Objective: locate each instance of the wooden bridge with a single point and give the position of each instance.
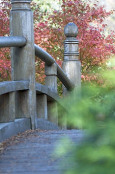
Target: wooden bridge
(25, 104)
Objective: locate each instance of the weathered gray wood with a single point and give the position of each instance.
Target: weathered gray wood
(51, 82)
(7, 95)
(36, 153)
(43, 89)
(73, 70)
(53, 112)
(44, 124)
(12, 41)
(23, 59)
(11, 105)
(51, 77)
(71, 63)
(41, 101)
(4, 109)
(49, 60)
(7, 109)
(12, 86)
(13, 128)
(20, 101)
(21, 104)
(7, 90)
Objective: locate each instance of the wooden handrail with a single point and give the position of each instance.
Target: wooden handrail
(12, 41)
(49, 60)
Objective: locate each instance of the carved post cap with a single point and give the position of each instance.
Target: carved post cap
(71, 30)
(20, 5)
(21, 1)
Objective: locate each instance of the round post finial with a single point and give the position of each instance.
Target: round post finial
(71, 30)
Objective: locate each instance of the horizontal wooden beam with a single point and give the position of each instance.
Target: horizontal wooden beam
(12, 41)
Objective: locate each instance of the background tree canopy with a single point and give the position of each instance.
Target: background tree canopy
(95, 47)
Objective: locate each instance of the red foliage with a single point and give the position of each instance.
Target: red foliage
(94, 46)
(4, 52)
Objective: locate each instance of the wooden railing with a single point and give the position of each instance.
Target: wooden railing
(22, 98)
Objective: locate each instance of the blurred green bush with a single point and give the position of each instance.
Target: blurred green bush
(92, 108)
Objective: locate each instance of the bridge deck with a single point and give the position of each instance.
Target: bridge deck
(33, 153)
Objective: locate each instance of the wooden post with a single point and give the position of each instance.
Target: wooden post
(51, 82)
(71, 64)
(41, 100)
(23, 59)
(7, 109)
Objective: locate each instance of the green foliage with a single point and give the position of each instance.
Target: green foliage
(92, 108)
(47, 6)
